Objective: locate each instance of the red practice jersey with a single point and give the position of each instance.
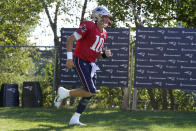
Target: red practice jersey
(90, 41)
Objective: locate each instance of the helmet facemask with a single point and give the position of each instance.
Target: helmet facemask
(105, 21)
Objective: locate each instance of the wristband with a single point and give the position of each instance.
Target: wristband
(69, 55)
(104, 55)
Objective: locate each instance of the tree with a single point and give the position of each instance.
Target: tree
(17, 18)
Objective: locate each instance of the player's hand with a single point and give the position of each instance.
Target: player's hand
(69, 64)
(107, 52)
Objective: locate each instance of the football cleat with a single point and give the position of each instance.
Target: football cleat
(72, 123)
(75, 120)
(58, 101)
(61, 94)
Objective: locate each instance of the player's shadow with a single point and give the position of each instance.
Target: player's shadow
(49, 128)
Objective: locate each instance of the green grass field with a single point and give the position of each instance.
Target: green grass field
(50, 119)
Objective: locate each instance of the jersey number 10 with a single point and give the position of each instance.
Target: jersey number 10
(97, 46)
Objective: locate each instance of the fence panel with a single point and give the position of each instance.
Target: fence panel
(165, 58)
(114, 71)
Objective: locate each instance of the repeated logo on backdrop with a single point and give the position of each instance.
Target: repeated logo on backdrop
(113, 71)
(165, 58)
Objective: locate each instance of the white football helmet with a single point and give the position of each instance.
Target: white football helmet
(98, 12)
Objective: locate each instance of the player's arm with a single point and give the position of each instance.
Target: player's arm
(69, 46)
(69, 43)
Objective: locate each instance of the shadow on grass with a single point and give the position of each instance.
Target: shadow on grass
(49, 128)
(113, 119)
(124, 120)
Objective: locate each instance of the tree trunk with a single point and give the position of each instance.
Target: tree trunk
(134, 103)
(126, 103)
(152, 99)
(53, 25)
(83, 10)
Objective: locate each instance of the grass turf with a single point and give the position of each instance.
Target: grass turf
(50, 119)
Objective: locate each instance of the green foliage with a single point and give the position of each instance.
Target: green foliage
(186, 13)
(16, 65)
(183, 100)
(46, 83)
(17, 17)
(152, 12)
(107, 97)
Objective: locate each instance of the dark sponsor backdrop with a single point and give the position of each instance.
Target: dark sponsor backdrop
(113, 71)
(165, 58)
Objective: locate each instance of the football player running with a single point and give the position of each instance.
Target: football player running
(90, 37)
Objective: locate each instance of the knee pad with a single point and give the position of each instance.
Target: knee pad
(85, 100)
